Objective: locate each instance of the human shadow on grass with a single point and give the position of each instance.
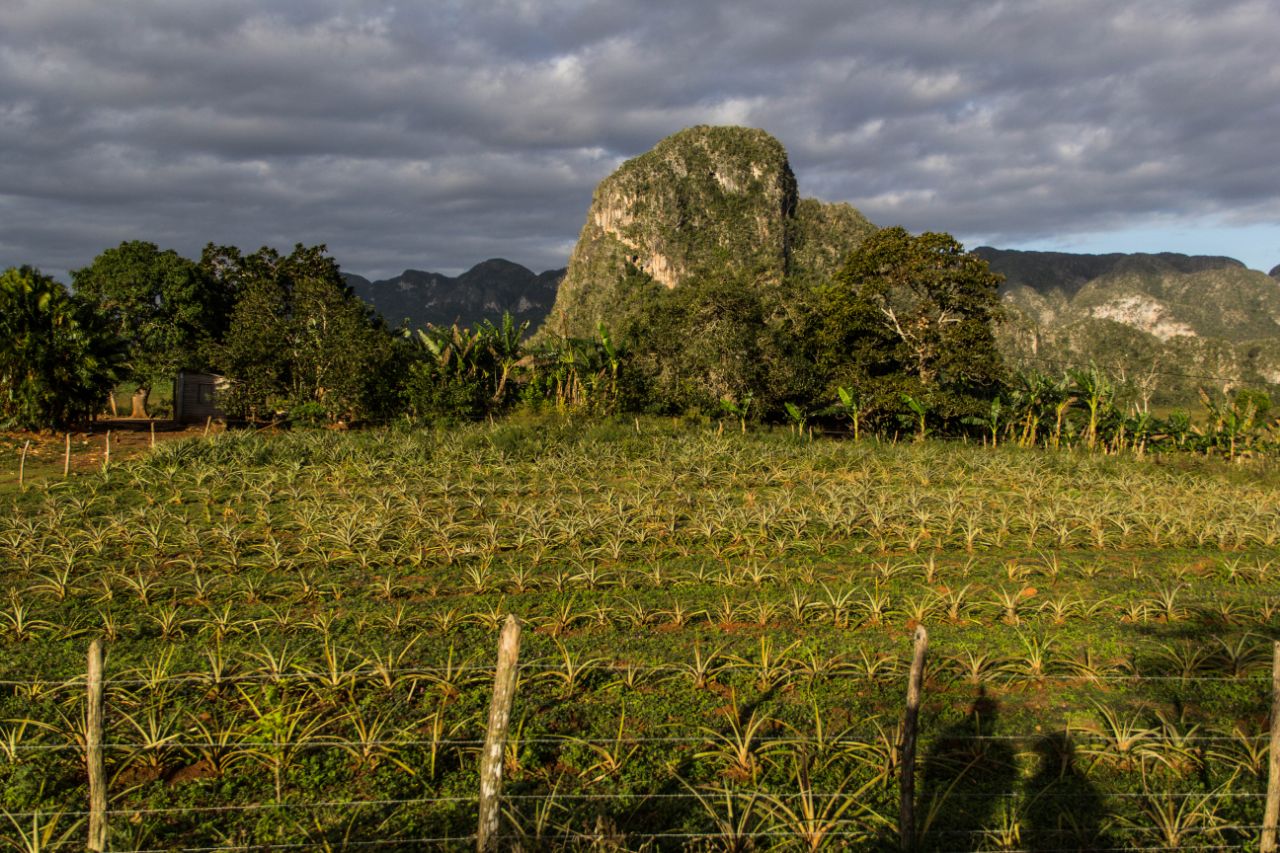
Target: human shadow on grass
(1061, 809)
(970, 798)
(967, 781)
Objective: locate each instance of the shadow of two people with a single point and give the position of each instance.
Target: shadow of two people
(970, 795)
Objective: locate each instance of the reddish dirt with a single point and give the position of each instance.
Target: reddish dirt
(139, 774)
(130, 437)
(200, 770)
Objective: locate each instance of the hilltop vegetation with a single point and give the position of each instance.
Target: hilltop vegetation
(708, 203)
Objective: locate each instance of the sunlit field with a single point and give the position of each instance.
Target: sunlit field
(301, 629)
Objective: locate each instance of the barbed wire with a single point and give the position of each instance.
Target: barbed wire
(1144, 739)
(793, 667)
(588, 797)
(689, 836)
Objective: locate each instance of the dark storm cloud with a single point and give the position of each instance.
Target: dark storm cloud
(441, 133)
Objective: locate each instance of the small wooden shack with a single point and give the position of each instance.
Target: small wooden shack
(195, 397)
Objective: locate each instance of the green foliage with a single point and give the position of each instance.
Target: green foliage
(166, 308)
(910, 316)
(586, 376)
(58, 361)
(298, 336)
(1157, 322)
(850, 406)
(460, 374)
(700, 343)
(1234, 423)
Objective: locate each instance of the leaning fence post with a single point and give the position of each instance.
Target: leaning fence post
(495, 739)
(907, 758)
(1271, 815)
(22, 464)
(93, 753)
(66, 458)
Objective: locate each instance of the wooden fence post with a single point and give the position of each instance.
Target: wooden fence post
(22, 464)
(106, 455)
(907, 780)
(66, 459)
(93, 753)
(1271, 815)
(153, 435)
(495, 739)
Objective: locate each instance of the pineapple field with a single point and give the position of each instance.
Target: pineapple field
(300, 632)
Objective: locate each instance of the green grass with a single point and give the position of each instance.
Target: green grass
(317, 588)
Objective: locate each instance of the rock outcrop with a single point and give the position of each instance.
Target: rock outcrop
(708, 201)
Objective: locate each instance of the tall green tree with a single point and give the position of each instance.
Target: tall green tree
(697, 345)
(298, 339)
(166, 308)
(58, 359)
(911, 315)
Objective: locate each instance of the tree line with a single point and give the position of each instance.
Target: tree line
(899, 342)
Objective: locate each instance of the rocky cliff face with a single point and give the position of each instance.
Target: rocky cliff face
(708, 201)
(484, 292)
(1177, 322)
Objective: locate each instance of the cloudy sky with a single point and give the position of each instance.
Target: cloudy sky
(435, 134)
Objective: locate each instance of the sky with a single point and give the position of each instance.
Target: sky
(438, 133)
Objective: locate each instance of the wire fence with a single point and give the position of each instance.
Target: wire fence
(1130, 741)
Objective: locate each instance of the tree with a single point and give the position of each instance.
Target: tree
(699, 344)
(299, 339)
(166, 308)
(912, 316)
(58, 360)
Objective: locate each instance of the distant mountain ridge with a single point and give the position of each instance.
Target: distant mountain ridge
(484, 292)
(1175, 322)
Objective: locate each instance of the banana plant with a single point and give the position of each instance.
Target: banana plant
(502, 343)
(1233, 421)
(1096, 390)
(920, 411)
(991, 421)
(739, 409)
(851, 406)
(797, 416)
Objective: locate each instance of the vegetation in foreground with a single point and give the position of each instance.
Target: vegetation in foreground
(716, 635)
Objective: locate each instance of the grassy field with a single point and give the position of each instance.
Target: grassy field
(301, 630)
